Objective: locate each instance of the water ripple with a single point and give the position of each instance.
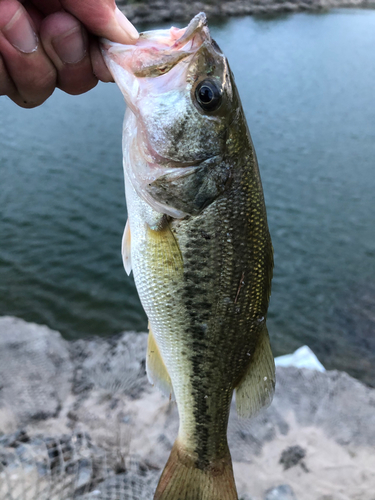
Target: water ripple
(308, 93)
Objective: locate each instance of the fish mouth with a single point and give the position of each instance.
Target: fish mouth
(155, 54)
(158, 64)
(179, 38)
(169, 39)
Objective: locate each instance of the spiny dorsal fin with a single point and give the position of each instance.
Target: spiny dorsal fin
(257, 386)
(157, 372)
(126, 249)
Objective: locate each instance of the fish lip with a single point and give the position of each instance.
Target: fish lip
(197, 25)
(165, 41)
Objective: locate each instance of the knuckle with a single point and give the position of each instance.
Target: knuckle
(27, 79)
(7, 86)
(37, 88)
(42, 81)
(79, 88)
(78, 79)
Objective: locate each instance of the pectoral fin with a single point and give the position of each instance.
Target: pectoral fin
(257, 386)
(126, 249)
(165, 254)
(157, 372)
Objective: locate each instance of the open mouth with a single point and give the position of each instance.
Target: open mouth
(157, 52)
(156, 69)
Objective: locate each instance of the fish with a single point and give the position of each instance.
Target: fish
(198, 244)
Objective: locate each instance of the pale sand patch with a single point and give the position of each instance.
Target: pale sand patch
(99, 388)
(146, 427)
(334, 472)
(329, 471)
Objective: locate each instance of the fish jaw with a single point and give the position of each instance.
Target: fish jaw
(155, 54)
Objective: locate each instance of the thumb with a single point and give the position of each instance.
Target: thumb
(103, 18)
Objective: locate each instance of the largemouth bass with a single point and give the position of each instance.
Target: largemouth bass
(198, 243)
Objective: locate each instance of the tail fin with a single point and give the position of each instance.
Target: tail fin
(182, 479)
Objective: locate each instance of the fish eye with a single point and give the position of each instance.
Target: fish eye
(208, 95)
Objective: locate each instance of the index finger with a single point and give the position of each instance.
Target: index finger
(103, 18)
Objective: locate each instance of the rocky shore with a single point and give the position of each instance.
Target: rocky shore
(78, 420)
(159, 11)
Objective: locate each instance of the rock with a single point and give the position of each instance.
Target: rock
(35, 370)
(114, 432)
(175, 10)
(39, 369)
(12, 440)
(130, 486)
(69, 463)
(282, 492)
(84, 474)
(116, 364)
(292, 456)
(333, 401)
(7, 458)
(301, 358)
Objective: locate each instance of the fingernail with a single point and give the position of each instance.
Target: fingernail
(19, 33)
(126, 25)
(71, 46)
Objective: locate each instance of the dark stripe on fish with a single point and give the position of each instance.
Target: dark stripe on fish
(198, 310)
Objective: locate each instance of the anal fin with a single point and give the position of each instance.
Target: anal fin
(157, 372)
(126, 249)
(257, 386)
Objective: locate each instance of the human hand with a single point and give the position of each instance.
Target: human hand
(46, 44)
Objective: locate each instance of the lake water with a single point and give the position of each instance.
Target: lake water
(307, 83)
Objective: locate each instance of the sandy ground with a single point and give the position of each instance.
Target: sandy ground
(145, 427)
(324, 422)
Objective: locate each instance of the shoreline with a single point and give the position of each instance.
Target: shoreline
(150, 12)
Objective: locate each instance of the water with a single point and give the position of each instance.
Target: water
(307, 86)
